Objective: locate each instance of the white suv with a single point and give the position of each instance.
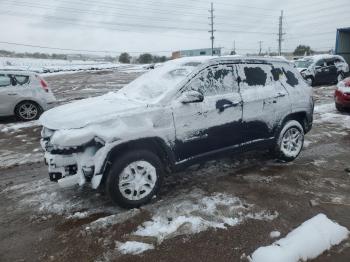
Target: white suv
(24, 94)
(176, 115)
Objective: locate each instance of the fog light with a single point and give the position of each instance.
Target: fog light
(88, 171)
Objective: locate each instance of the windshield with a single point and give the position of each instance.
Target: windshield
(154, 84)
(303, 63)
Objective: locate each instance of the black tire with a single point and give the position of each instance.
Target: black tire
(36, 111)
(279, 149)
(115, 172)
(340, 77)
(339, 107)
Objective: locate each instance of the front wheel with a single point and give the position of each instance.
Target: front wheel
(290, 141)
(134, 178)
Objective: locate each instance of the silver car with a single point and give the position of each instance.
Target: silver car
(24, 94)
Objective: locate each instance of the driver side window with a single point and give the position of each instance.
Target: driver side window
(320, 63)
(214, 80)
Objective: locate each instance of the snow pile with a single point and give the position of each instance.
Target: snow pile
(196, 215)
(133, 247)
(308, 241)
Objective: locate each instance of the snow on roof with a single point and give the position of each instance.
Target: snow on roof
(307, 241)
(319, 57)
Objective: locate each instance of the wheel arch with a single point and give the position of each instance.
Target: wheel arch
(154, 144)
(301, 117)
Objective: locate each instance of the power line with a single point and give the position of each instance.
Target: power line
(79, 50)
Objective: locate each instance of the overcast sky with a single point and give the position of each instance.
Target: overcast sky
(163, 26)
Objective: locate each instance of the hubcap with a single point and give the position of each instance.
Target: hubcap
(28, 111)
(137, 180)
(292, 142)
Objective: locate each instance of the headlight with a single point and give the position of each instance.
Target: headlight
(47, 133)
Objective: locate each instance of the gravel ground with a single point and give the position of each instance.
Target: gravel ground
(249, 195)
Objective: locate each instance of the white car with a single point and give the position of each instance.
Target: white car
(181, 113)
(24, 94)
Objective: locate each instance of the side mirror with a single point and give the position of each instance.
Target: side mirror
(191, 97)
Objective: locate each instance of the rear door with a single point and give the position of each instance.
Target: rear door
(263, 95)
(8, 95)
(332, 71)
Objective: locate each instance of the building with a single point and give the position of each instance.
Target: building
(196, 52)
(342, 45)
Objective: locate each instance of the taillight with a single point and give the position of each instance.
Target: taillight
(44, 85)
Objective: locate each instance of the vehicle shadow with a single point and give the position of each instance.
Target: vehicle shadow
(9, 120)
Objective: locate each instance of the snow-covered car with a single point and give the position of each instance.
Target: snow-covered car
(24, 94)
(342, 95)
(322, 69)
(181, 113)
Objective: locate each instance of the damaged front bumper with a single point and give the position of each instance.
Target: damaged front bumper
(70, 166)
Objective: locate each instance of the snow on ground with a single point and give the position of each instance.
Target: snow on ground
(133, 247)
(308, 241)
(13, 127)
(327, 113)
(52, 65)
(10, 158)
(195, 213)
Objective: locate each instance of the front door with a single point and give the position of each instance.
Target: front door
(214, 123)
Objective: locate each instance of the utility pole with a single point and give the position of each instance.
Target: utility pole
(280, 33)
(233, 52)
(211, 11)
(260, 44)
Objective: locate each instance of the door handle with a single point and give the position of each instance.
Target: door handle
(279, 94)
(223, 104)
(12, 94)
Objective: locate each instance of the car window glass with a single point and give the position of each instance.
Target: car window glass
(21, 79)
(255, 75)
(320, 63)
(292, 79)
(214, 80)
(5, 81)
(330, 62)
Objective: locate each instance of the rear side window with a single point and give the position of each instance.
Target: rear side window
(255, 76)
(5, 80)
(330, 62)
(214, 81)
(21, 79)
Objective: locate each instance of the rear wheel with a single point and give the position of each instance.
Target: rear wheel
(339, 107)
(310, 81)
(28, 110)
(134, 178)
(290, 141)
(340, 77)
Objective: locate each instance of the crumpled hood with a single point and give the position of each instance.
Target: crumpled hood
(88, 111)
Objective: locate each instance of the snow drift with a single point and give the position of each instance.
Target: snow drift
(308, 241)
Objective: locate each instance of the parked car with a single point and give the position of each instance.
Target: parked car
(181, 113)
(342, 95)
(322, 69)
(24, 94)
